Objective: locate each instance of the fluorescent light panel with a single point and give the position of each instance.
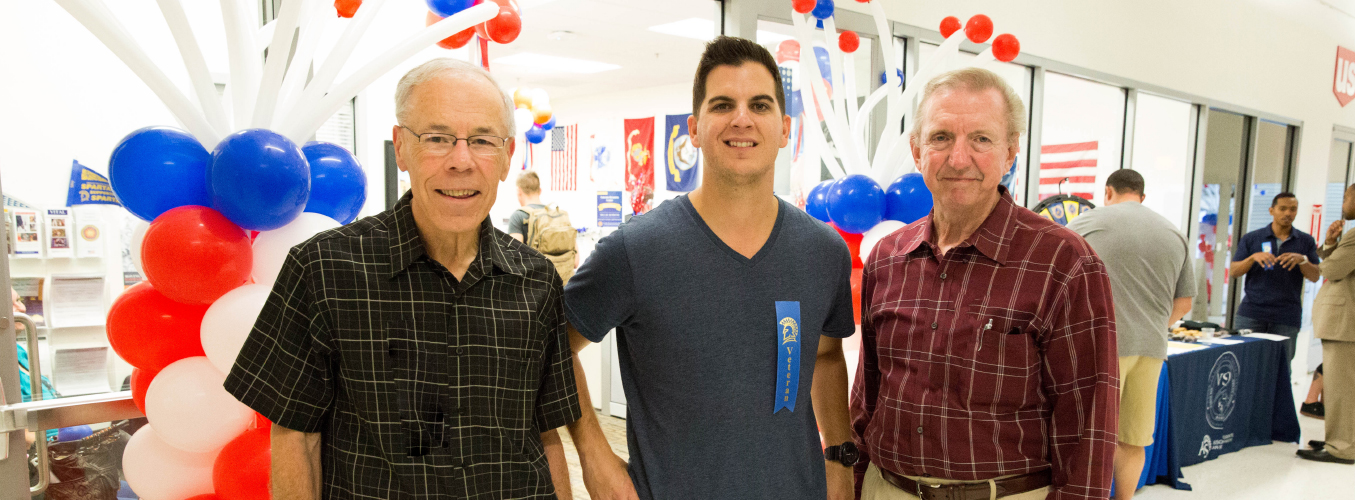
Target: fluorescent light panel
(555, 64)
(704, 29)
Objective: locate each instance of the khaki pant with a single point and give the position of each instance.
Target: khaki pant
(1138, 399)
(874, 487)
(1338, 396)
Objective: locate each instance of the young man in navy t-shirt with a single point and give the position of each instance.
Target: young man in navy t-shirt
(1276, 259)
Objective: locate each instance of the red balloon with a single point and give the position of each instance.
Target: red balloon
(1006, 47)
(195, 255)
(788, 50)
(150, 331)
(803, 6)
(455, 41)
(346, 8)
(979, 28)
(853, 245)
(260, 421)
(856, 294)
(949, 25)
(848, 41)
(241, 470)
(504, 27)
(141, 382)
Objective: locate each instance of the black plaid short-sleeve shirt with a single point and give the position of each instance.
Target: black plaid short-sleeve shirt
(422, 386)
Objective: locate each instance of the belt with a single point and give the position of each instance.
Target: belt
(968, 491)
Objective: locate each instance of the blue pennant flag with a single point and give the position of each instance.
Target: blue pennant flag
(684, 159)
(89, 188)
(788, 354)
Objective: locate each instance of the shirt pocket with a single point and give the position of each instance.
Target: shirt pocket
(504, 366)
(1003, 361)
(419, 367)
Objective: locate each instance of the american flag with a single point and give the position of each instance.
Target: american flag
(564, 154)
(1075, 162)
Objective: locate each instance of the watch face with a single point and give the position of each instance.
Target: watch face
(849, 454)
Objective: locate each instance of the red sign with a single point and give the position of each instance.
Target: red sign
(1315, 228)
(640, 163)
(1345, 75)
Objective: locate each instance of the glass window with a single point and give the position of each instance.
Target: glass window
(1163, 154)
(1226, 135)
(1337, 171)
(1268, 175)
(1019, 78)
(1082, 136)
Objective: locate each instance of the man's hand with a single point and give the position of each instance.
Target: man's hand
(1290, 260)
(1334, 232)
(1265, 259)
(606, 478)
(841, 482)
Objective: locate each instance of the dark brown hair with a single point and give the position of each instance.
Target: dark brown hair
(1276, 202)
(1125, 181)
(732, 51)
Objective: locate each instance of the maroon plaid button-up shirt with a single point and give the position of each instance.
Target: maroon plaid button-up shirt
(997, 358)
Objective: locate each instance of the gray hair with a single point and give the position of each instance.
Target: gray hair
(973, 80)
(445, 66)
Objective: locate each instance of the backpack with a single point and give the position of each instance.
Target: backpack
(549, 232)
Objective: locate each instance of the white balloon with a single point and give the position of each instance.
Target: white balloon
(158, 471)
(524, 119)
(190, 409)
(271, 247)
(873, 236)
(138, 236)
(229, 321)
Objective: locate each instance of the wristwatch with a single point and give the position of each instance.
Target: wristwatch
(845, 453)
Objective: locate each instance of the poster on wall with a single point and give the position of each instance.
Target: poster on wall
(30, 295)
(609, 208)
(59, 224)
(89, 239)
(683, 159)
(27, 239)
(640, 163)
(605, 157)
(77, 301)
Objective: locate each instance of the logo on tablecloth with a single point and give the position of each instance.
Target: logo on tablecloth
(1222, 395)
(1204, 447)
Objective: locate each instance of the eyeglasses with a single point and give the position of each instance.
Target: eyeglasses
(442, 144)
(977, 143)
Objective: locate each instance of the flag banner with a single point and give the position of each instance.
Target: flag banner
(1074, 163)
(640, 163)
(684, 160)
(564, 156)
(89, 188)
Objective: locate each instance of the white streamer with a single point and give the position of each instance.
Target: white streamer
(276, 63)
(193, 61)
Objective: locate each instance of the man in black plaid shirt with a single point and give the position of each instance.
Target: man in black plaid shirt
(419, 353)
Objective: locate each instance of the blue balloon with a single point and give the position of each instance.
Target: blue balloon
(259, 179)
(825, 64)
(908, 199)
(536, 134)
(155, 169)
(822, 10)
(338, 184)
(73, 433)
(856, 203)
(444, 8)
(817, 203)
(550, 124)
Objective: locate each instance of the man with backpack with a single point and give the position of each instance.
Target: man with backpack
(546, 229)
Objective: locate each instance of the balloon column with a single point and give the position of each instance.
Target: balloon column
(533, 114)
(855, 201)
(223, 202)
(503, 28)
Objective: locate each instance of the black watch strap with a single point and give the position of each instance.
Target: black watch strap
(845, 453)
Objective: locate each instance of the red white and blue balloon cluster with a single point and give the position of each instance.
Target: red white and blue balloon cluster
(223, 201)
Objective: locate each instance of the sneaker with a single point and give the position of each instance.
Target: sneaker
(1314, 410)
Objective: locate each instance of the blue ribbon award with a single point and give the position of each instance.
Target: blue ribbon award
(788, 354)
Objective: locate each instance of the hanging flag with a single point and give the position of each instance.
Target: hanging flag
(89, 188)
(640, 163)
(564, 155)
(1074, 163)
(684, 160)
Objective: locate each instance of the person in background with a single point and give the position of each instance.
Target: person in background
(729, 307)
(988, 359)
(545, 229)
(1152, 282)
(1312, 405)
(25, 378)
(1334, 323)
(529, 198)
(1276, 259)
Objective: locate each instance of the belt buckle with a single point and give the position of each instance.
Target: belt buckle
(933, 488)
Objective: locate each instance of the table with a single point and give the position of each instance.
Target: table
(1217, 399)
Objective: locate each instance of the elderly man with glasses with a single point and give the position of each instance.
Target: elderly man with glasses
(419, 353)
(988, 358)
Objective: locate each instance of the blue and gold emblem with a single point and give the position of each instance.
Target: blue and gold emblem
(788, 354)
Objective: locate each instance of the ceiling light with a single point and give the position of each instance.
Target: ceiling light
(545, 63)
(704, 30)
(560, 35)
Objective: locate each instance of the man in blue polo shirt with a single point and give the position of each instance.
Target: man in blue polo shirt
(1276, 259)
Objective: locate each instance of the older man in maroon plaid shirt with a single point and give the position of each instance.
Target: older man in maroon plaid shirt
(988, 364)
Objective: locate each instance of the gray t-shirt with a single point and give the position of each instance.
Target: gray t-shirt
(699, 336)
(517, 223)
(1149, 265)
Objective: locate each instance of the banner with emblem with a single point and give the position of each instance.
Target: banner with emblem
(639, 135)
(787, 355)
(683, 158)
(89, 188)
